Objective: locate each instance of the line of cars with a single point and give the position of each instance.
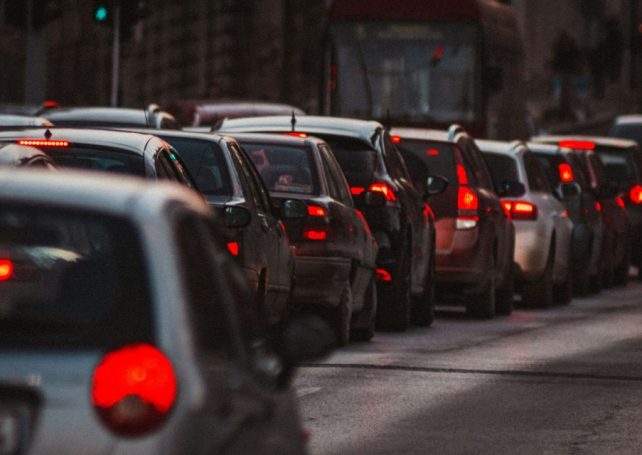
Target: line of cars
(288, 216)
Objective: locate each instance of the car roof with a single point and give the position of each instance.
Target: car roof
(505, 148)
(539, 147)
(597, 140)
(213, 137)
(10, 120)
(628, 119)
(118, 115)
(94, 192)
(335, 126)
(131, 141)
(422, 134)
(14, 154)
(277, 139)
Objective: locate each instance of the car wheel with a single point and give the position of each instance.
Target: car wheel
(482, 306)
(540, 293)
(505, 295)
(395, 304)
(366, 317)
(621, 275)
(423, 307)
(342, 315)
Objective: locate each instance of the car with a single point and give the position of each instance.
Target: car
(543, 229)
(253, 229)
(207, 113)
(627, 127)
(612, 170)
(474, 235)
(111, 117)
(103, 352)
(117, 152)
(403, 226)
(335, 252)
(564, 172)
(23, 156)
(21, 121)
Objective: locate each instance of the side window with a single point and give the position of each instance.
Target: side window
(213, 317)
(340, 182)
(257, 181)
(462, 159)
(479, 167)
(247, 182)
(394, 161)
(536, 178)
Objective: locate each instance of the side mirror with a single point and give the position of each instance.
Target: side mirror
(292, 209)
(436, 184)
(568, 190)
(373, 199)
(512, 189)
(236, 217)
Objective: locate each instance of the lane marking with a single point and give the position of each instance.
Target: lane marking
(300, 393)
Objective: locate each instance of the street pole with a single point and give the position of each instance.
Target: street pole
(115, 68)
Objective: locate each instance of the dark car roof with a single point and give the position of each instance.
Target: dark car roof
(502, 147)
(103, 115)
(10, 120)
(16, 155)
(333, 126)
(422, 134)
(130, 141)
(543, 148)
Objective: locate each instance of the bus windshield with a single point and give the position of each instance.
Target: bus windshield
(413, 72)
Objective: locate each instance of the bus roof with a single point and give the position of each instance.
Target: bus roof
(415, 10)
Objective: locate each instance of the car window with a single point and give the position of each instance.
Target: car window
(258, 183)
(394, 162)
(336, 173)
(249, 181)
(357, 159)
(97, 159)
(619, 164)
(205, 162)
(628, 131)
(71, 279)
(285, 168)
(477, 165)
(537, 180)
(502, 169)
(428, 157)
(550, 164)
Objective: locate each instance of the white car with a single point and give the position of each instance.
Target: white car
(119, 326)
(543, 230)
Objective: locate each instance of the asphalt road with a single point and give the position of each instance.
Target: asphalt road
(567, 380)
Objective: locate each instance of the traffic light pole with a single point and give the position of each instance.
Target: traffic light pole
(115, 68)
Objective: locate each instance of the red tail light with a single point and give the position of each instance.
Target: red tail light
(522, 210)
(462, 177)
(467, 199)
(507, 206)
(43, 143)
(315, 234)
(566, 173)
(301, 135)
(6, 269)
(357, 190)
(583, 145)
(49, 104)
(620, 202)
(233, 248)
(432, 152)
(315, 210)
(396, 139)
(383, 275)
(635, 194)
(598, 206)
(385, 189)
(134, 389)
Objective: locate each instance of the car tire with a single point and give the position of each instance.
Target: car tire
(621, 273)
(482, 305)
(563, 292)
(540, 293)
(505, 296)
(342, 316)
(395, 305)
(366, 331)
(423, 307)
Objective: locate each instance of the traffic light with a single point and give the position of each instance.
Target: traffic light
(103, 11)
(131, 12)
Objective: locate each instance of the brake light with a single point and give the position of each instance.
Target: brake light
(583, 145)
(396, 139)
(301, 135)
(566, 173)
(357, 190)
(383, 275)
(233, 248)
(50, 104)
(134, 389)
(620, 202)
(598, 206)
(43, 143)
(462, 177)
(507, 205)
(6, 269)
(635, 194)
(467, 199)
(523, 211)
(385, 189)
(315, 234)
(315, 210)
(432, 152)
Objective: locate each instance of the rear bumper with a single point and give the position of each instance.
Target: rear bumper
(460, 258)
(319, 280)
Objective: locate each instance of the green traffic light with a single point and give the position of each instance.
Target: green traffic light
(101, 14)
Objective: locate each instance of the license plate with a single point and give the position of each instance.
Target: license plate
(9, 433)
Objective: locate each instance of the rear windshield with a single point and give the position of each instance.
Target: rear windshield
(502, 169)
(358, 161)
(424, 158)
(628, 131)
(98, 159)
(284, 169)
(71, 280)
(205, 162)
(619, 164)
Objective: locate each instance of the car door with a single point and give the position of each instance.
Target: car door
(271, 234)
(243, 410)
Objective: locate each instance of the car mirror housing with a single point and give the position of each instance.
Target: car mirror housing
(373, 199)
(568, 190)
(436, 184)
(512, 189)
(236, 217)
(293, 209)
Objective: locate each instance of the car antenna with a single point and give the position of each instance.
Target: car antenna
(48, 134)
(293, 121)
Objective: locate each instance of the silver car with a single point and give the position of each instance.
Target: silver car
(543, 230)
(119, 326)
